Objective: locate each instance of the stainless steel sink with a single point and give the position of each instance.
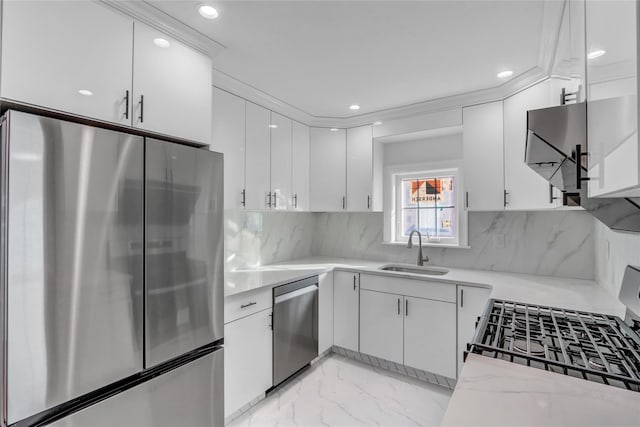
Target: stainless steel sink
(428, 271)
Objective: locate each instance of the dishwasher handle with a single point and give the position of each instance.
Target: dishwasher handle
(302, 291)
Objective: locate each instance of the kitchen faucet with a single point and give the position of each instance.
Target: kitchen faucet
(421, 259)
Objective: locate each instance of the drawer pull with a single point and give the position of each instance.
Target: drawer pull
(248, 305)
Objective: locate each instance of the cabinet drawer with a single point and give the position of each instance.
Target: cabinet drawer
(246, 303)
(410, 287)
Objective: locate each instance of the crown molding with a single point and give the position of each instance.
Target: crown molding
(552, 21)
(155, 18)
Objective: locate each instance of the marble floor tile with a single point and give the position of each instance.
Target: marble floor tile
(338, 391)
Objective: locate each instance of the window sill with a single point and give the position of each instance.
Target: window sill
(430, 245)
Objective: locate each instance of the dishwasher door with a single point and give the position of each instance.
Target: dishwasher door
(295, 327)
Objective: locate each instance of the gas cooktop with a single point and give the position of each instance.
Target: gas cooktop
(591, 346)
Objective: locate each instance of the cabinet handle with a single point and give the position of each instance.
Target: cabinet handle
(461, 298)
(271, 321)
(141, 103)
(551, 197)
(126, 104)
(354, 283)
(369, 202)
(578, 158)
(295, 201)
(344, 202)
(248, 304)
(267, 198)
(466, 199)
(398, 306)
(275, 199)
(243, 201)
(504, 198)
(406, 307)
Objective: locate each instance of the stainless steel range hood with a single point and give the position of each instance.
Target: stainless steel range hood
(554, 135)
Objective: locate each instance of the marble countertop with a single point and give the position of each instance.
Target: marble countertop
(577, 294)
(493, 392)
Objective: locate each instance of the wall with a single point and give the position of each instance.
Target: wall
(613, 252)
(423, 151)
(558, 243)
(258, 238)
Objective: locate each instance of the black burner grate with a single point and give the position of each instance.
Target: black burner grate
(592, 346)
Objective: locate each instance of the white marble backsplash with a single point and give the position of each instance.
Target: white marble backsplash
(614, 251)
(258, 238)
(558, 243)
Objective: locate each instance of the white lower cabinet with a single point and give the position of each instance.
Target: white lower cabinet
(430, 336)
(325, 312)
(407, 329)
(346, 289)
(471, 303)
(381, 325)
(247, 360)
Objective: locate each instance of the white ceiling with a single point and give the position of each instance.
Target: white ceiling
(322, 56)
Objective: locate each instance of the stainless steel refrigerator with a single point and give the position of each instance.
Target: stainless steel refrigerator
(111, 278)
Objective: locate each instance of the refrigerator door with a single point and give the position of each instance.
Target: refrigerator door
(191, 396)
(184, 271)
(74, 271)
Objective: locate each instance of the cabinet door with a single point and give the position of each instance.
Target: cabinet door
(525, 188)
(381, 325)
(327, 177)
(359, 168)
(247, 361)
(612, 98)
(228, 138)
(325, 312)
(346, 288)
(281, 128)
(53, 49)
(430, 336)
(483, 157)
(300, 166)
(471, 302)
(258, 158)
(172, 87)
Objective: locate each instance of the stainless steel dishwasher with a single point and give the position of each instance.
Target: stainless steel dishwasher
(295, 327)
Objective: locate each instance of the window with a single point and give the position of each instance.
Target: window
(428, 204)
(428, 199)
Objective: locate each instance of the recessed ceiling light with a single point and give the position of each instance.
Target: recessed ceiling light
(504, 74)
(85, 92)
(354, 107)
(596, 53)
(377, 123)
(163, 43)
(334, 129)
(208, 12)
(273, 126)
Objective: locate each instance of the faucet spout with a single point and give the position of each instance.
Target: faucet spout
(421, 259)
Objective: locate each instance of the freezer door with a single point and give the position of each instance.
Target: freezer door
(74, 269)
(184, 273)
(191, 396)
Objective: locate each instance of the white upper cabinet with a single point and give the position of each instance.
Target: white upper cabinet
(281, 134)
(172, 87)
(359, 168)
(612, 98)
(258, 158)
(227, 137)
(300, 167)
(483, 169)
(51, 50)
(526, 190)
(327, 176)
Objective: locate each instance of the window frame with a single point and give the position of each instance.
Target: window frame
(393, 202)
